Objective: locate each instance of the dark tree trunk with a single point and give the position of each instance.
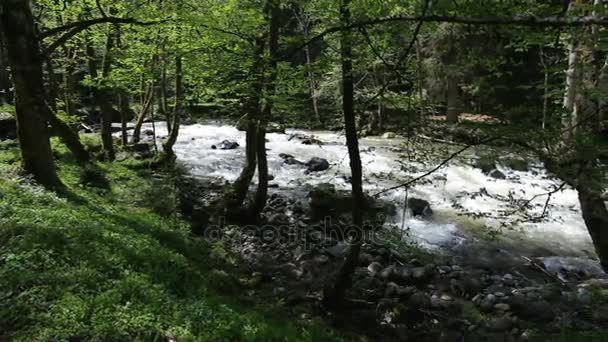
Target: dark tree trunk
(453, 104)
(240, 187)
(25, 59)
(176, 120)
(5, 82)
(125, 108)
(261, 195)
(102, 96)
(335, 292)
(69, 137)
(595, 216)
(147, 99)
(105, 98)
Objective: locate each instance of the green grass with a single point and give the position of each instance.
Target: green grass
(113, 265)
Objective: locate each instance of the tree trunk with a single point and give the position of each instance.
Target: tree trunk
(104, 97)
(125, 108)
(179, 92)
(421, 101)
(5, 82)
(453, 105)
(101, 95)
(595, 215)
(334, 293)
(261, 195)
(240, 187)
(69, 137)
(147, 98)
(541, 54)
(25, 59)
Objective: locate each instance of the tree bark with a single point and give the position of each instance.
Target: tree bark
(123, 104)
(146, 102)
(19, 34)
(261, 195)
(240, 187)
(453, 105)
(5, 82)
(595, 215)
(334, 293)
(541, 54)
(104, 98)
(176, 120)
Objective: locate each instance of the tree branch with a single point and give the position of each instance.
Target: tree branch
(83, 25)
(440, 165)
(530, 21)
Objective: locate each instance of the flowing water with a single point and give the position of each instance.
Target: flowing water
(468, 205)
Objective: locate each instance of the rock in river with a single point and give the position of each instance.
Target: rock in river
(226, 145)
(317, 164)
(419, 207)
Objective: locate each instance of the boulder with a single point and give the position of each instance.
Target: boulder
(8, 126)
(485, 164)
(289, 159)
(312, 141)
(140, 150)
(317, 164)
(419, 207)
(326, 201)
(496, 174)
(516, 164)
(305, 139)
(226, 145)
(533, 310)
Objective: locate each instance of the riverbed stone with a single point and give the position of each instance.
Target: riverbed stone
(317, 164)
(496, 174)
(534, 310)
(419, 207)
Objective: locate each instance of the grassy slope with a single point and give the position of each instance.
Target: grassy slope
(104, 266)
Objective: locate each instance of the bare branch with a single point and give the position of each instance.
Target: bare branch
(530, 21)
(83, 25)
(440, 165)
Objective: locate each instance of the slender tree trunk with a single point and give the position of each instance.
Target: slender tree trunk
(240, 187)
(104, 98)
(147, 98)
(334, 293)
(25, 59)
(261, 195)
(5, 82)
(162, 92)
(421, 100)
(541, 54)
(453, 105)
(304, 22)
(179, 92)
(125, 108)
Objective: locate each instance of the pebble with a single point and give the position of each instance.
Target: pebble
(374, 268)
(502, 307)
(444, 269)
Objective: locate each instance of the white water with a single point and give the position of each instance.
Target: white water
(562, 232)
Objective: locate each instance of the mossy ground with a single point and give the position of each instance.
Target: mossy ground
(114, 264)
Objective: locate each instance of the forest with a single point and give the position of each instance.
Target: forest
(303, 170)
